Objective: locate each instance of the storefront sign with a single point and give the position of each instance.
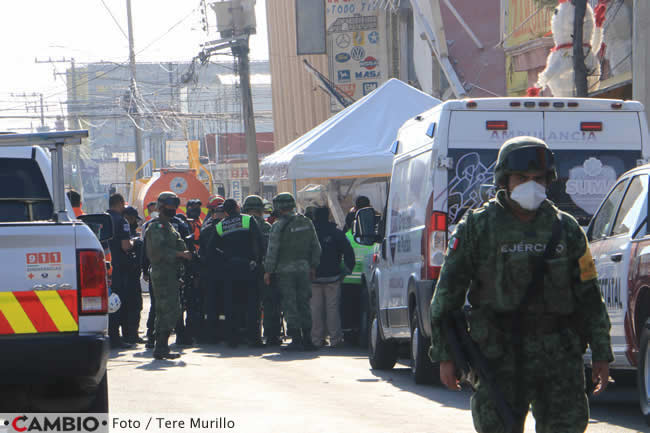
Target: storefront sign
(358, 59)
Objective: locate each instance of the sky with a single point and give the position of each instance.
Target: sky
(88, 31)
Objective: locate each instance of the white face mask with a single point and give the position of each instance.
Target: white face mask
(529, 195)
(154, 215)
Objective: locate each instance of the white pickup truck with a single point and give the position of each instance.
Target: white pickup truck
(53, 290)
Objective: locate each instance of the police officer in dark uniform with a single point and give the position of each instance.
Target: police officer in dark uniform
(120, 244)
(131, 314)
(211, 271)
(240, 241)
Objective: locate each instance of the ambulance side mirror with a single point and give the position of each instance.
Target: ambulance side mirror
(101, 224)
(365, 226)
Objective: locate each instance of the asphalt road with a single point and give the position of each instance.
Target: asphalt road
(332, 390)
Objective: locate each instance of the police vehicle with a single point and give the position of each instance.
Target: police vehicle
(620, 245)
(53, 291)
(443, 166)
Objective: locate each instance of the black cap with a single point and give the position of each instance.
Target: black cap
(131, 211)
(230, 205)
(361, 202)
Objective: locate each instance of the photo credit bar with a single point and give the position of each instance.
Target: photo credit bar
(120, 423)
(54, 422)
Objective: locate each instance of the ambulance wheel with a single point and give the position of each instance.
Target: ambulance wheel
(422, 369)
(643, 372)
(382, 354)
(100, 402)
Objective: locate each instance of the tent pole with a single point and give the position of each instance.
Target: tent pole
(295, 188)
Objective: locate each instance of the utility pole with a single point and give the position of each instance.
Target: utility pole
(42, 113)
(134, 90)
(241, 51)
(74, 154)
(72, 76)
(579, 67)
(236, 22)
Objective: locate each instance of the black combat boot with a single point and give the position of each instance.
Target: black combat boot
(161, 351)
(296, 343)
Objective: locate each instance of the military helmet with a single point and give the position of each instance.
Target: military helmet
(521, 154)
(284, 201)
(169, 198)
(253, 202)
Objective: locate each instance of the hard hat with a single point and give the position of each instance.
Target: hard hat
(253, 202)
(169, 198)
(215, 201)
(522, 154)
(114, 303)
(284, 201)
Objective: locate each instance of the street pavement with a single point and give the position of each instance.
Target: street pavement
(331, 390)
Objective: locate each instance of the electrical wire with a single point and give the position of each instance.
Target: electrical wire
(114, 19)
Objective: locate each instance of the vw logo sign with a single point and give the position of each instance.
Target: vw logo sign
(358, 53)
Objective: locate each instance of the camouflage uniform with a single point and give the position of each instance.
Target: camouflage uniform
(292, 252)
(270, 295)
(163, 242)
(493, 254)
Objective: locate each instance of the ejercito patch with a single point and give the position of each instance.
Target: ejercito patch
(587, 267)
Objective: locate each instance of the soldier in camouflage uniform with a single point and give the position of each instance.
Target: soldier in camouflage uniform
(493, 253)
(254, 206)
(292, 258)
(165, 250)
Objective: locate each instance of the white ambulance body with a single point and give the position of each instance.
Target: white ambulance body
(444, 165)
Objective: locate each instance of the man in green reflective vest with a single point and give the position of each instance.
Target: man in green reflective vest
(239, 241)
(361, 255)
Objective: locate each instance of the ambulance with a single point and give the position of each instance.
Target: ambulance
(443, 166)
(53, 291)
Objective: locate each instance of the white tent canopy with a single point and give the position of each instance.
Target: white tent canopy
(354, 142)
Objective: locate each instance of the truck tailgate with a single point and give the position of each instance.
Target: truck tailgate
(38, 291)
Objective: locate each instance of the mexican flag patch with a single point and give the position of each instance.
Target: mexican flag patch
(453, 243)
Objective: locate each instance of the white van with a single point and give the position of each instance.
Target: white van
(444, 165)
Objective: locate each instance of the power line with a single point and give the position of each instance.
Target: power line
(167, 32)
(114, 19)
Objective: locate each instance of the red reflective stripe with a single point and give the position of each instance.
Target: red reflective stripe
(36, 312)
(5, 327)
(69, 298)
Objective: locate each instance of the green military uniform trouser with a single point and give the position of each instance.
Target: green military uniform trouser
(553, 381)
(165, 287)
(272, 310)
(295, 288)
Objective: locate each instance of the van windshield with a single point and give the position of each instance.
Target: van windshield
(23, 192)
(584, 178)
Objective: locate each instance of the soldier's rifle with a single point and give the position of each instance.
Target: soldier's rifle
(471, 362)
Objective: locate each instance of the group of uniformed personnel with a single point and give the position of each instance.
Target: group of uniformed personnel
(243, 265)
